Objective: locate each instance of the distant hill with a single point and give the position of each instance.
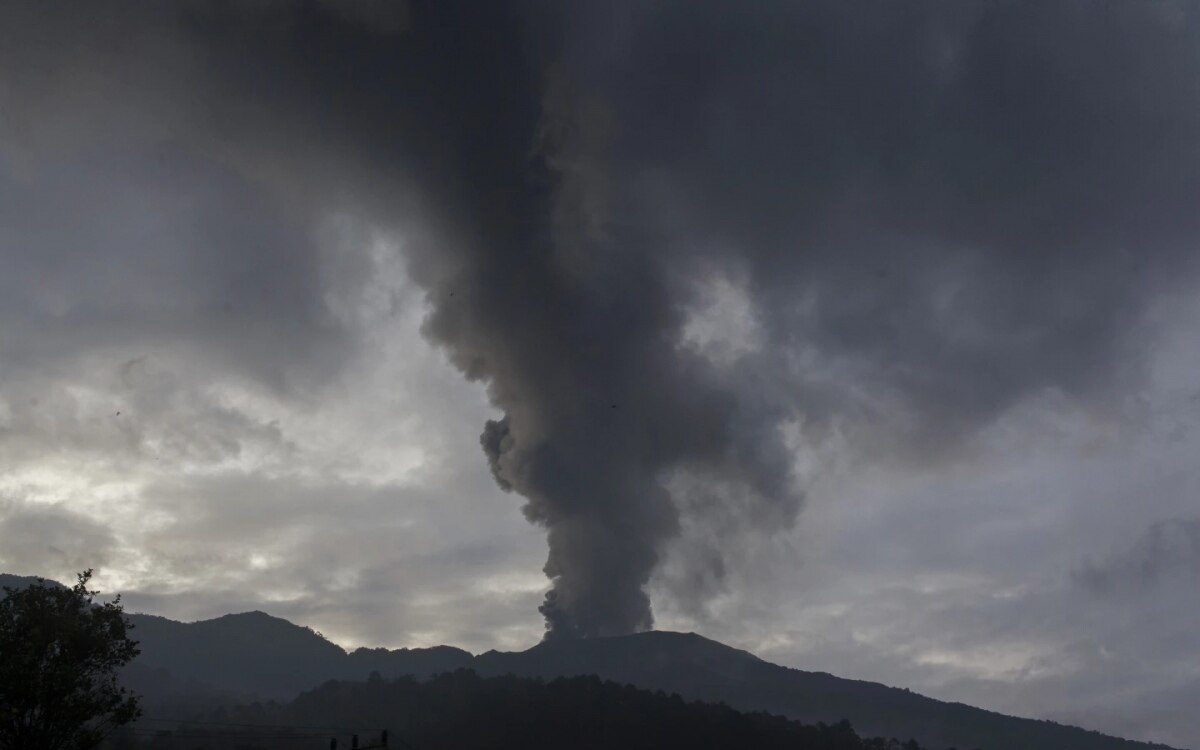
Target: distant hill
(7, 580)
(255, 655)
(463, 711)
(251, 653)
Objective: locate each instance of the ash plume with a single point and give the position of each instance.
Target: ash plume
(575, 331)
(938, 212)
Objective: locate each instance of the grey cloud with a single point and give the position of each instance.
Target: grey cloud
(123, 414)
(51, 541)
(143, 252)
(1167, 551)
(361, 563)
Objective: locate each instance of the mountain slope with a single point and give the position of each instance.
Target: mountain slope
(250, 653)
(8, 580)
(699, 669)
(463, 711)
(255, 655)
(258, 655)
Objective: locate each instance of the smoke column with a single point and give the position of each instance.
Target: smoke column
(572, 325)
(934, 212)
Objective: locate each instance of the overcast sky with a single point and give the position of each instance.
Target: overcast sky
(864, 336)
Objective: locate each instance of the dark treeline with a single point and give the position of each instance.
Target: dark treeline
(461, 710)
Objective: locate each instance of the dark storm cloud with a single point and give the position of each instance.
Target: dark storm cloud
(955, 204)
(126, 224)
(214, 264)
(936, 211)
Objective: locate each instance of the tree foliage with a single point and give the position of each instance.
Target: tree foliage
(59, 656)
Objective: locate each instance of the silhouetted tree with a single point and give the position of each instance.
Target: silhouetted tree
(59, 656)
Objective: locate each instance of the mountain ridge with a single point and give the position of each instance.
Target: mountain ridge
(255, 655)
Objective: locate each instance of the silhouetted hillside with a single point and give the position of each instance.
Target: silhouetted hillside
(250, 653)
(700, 669)
(463, 711)
(8, 580)
(253, 655)
(256, 656)
(272, 658)
(417, 662)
